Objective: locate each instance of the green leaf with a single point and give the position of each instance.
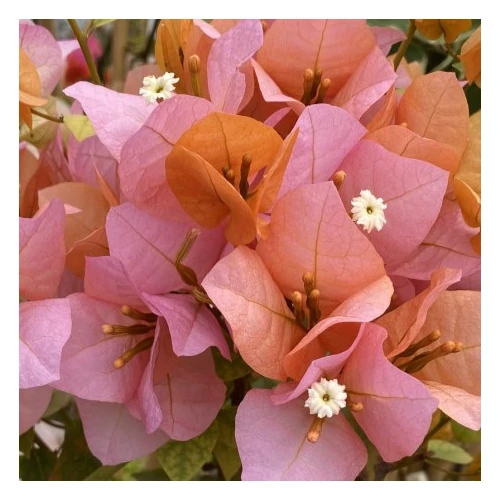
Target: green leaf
(230, 370)
(465, 435)
(75, 462)
(97, 23)
(104, 473)
(26, 442)
(450, 452)
(225, 450)
(151, 475)
(38, 466)
(181, 460)
(58, 401)
(264, 383)
(80, 126)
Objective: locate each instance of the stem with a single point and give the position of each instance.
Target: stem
(404, 46)
(47, 117)
(82, 40)
(442, 422)
(451, 472)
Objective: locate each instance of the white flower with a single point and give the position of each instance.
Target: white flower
(326, 398)
(368, 211)
(158, 88)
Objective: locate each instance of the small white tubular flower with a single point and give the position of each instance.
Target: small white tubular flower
(158, 88)
(326, 398)
(368, 211)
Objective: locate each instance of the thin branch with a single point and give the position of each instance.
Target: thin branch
(84, 45)
(412, 27)
(59, 119)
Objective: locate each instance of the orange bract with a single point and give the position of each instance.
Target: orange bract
(450, 28)
(29, 88)
(471, 57)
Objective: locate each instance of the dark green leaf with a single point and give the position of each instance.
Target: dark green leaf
(76, 462)
(264, 383)
(227, 370)
(26, 442)
(58, 401)
(465, 435)
(182, 460)
(38, 466)
(444, 450)
(151, 475)
(225, 450)
(104, 473)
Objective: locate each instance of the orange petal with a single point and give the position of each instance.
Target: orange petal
(475, 242)
(270, 185)
(409, 144)
(434, 106)
(471, 57)
(171, 38)
(25, 114)
(222, 140)
(470, 165)
(430, 28)
(29, 82)
(207, 197)
(385, 115)
(470, 203)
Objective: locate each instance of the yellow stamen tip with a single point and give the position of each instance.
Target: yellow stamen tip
(355, 407)
(107, 329)
(119, 363)
(194, 63)
(339, 178)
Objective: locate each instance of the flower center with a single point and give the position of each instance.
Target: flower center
(368, 211)
(326, 398)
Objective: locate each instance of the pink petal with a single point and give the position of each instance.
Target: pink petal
(335, 333)
(386, 37)
(273, 119)
(114, 116)
(90, 156)
(310, 231)
(457, 315)
(44, 52)
(272, 443)
(142, 166)
(44, 328)
(372, 78)
(413, 191)
(404, 323)
(446, 245)
(67, 47)
(186, 392)
(87, 369)
(193, 328)
(471, 282)
(334, 46)
(264, 329)
(397, 408)
(107, 279)
(41, 252)
(461, 406)
(271, 92)
(32, 405)
(326, 135)
(53, 157)
(226, 83)
(147, 247)
(113, 435)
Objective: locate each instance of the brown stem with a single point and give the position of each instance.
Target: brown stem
(404, 46)
(59, 119)
(82, 40)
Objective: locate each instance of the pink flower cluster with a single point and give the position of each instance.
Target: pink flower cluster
(221, 220)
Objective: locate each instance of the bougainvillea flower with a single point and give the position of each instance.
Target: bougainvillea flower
(450, 28)
(448, 244)
(114, 116)
(470, 55)
(413, 191)
(470, 204)
(386, 37)
(41, 252)
(452, 318)
(210, 167)
(92, 210)
(325, 244)
(469, 170)
(142, 166)
(113, 435)
(434, 106)
(352, 75)
(277, 436)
